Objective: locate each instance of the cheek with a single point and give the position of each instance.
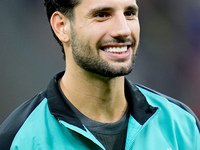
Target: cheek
(97, 30)
(136, 31)
(94, 34)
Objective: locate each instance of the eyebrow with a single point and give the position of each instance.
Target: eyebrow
(102, 9)
(133, 7)
(99, 9)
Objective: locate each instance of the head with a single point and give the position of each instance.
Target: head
(103, 35)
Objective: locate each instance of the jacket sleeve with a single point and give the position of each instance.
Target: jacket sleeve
(15, 120)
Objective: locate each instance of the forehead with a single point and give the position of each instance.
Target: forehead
(91, 4)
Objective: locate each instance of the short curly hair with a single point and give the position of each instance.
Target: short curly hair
(66, 7)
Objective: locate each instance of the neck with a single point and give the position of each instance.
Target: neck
(100, 99)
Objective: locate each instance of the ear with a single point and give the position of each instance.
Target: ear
(61, 26)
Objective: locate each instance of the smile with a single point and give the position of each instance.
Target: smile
(116, 50)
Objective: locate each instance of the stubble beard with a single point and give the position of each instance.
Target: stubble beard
(88, 60)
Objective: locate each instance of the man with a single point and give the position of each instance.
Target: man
(91, 105)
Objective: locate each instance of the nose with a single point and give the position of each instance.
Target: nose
(120, 27)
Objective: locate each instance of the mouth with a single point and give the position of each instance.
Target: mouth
(116, 49)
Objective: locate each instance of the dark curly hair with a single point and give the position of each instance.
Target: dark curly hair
(66, 7)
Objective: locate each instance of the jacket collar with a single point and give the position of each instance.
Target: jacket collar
(138, 106)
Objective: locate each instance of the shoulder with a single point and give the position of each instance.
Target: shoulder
(16, 119)
(169, 106)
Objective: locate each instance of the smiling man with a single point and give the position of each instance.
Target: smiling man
(91, 105)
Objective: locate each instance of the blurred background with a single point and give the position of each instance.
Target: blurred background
(168, 59)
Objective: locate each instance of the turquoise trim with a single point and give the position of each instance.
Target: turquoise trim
(86, 133)
(133, 130)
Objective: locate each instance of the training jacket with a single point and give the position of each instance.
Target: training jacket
(46, 122)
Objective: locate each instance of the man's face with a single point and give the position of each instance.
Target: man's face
(105, 36)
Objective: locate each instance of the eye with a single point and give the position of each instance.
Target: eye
(101, 15)
(130, 14)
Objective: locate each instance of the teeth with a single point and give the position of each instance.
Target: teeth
(116, 49)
